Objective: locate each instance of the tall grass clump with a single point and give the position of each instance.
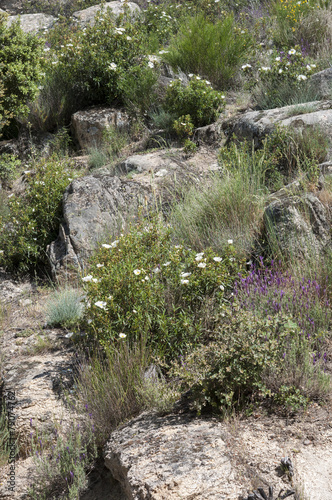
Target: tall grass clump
(228, 206)
(65, 308)
(109, 384)
(213, 50)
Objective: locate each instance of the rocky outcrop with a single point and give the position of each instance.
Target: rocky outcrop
(322, 83)
(255, 125)
(298, 224)
(169, 458)
(32, 23)
(98, 205)
(90, 126)
(87, 16)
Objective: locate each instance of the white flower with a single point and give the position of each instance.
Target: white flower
(100, 265)
(95, 280)
(146, 278)
(150, 64)
(313, 65)
(105, 245)
(265, 68)
(128, 38)
(156, 270)
(184, 282)
(54, 62)
(222, 288)
(291, 52)
(167, 263)
(47, 49)
(202, 264)
(122, 335)
(114, 244)
(177, 246)
(112, 66)
(217, 259)
(222, 96)
(101, 304)
(87, 278)
(185, 275)
(137, 271)
(190, 75)
(134, 311)
(198, 78)
(199, 256)
(163, 51)
(207, 82)
(110, 297)
(245, 66)
(278, 58)
(69, 45)
(280, 71)
(230, 242)
(301, 77)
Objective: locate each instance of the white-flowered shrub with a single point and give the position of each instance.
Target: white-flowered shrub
(144, 286)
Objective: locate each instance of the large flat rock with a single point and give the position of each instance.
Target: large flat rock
(87, 16)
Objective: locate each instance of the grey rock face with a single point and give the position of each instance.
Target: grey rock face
(100, 204)
(32, 23)
(322, 83)
(300, 224)
(168, 458)
(93, 207)
(87, 16)
(90, 125)
(255, 125)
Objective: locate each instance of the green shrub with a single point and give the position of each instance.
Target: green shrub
(143, 285)
(20, 70)
(65, 308)
(197, 100)
(236, 368)
(8, 167)
(31, 222)
(213, 50)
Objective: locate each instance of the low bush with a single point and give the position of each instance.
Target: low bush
(31, 221)
(213, 50)
(143, 285)
(197, 100)
(65, 308)
(247, 360)
(288, 16)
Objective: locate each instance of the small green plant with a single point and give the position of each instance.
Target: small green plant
(183, 127)
(65, 308)
(290, 398)
(43, 344)
(189, 147)
(214, 50)
(143, 285)
(197, 100)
